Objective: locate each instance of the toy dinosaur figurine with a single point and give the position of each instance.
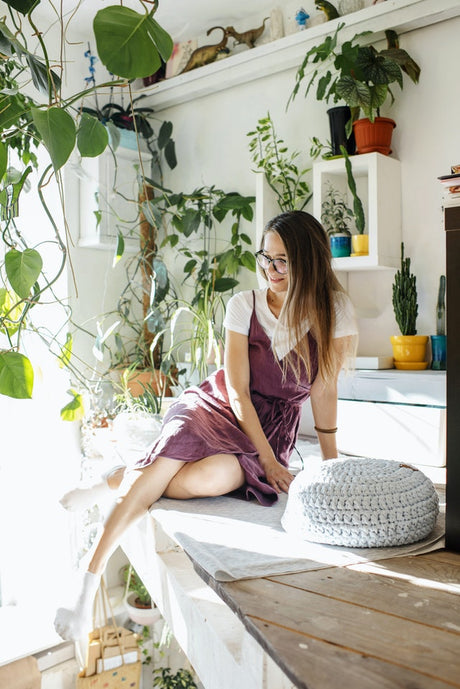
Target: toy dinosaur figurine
(248, 37)
(328, 9)
(207, 53)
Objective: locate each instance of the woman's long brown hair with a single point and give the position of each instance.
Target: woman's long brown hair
(312, 292)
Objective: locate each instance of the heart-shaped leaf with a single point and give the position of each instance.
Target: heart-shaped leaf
(57, 131)
(130, 44)
(23, 269)
(16, 375)
(92, 136)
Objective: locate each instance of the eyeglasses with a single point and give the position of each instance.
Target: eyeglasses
(279, 264)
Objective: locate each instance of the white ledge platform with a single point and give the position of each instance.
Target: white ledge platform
(375, 625)
(289, 51)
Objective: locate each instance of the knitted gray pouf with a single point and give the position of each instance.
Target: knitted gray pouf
(361, 503)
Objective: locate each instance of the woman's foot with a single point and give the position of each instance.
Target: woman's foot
(75, 622)
(79, 499)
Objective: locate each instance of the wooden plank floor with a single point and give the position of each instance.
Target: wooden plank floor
(389, 625)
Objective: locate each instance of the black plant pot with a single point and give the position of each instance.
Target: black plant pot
(338, 117)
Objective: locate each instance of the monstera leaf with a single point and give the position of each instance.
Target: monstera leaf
(130, 44)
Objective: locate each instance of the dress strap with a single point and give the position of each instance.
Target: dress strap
(253, 300)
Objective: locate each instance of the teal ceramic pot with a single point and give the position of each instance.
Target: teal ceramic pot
(340, 245)
(438, 352)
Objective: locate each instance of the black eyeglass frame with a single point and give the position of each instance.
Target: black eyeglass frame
(274, 261)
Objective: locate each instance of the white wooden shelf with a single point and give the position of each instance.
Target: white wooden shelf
(378, 182)
(288, 52)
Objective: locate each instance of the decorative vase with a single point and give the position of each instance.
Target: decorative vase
(360, 245)
(144, 615)
(340, 245)
(409, 351)
(374, 136)
(338, 118)
(438, 352)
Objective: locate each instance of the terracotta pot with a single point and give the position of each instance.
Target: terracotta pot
(374, 136)
(360, 245)
(409, 351)
(153, 378)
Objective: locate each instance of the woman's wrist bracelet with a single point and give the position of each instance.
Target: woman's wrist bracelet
(325, 430)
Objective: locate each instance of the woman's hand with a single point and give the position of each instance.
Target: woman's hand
(278, 476)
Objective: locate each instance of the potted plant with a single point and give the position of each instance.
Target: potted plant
(138, 602)
(336, 218)
(270, 154)
(211, 265)
(409, 349)
(362, 77)
(182, 679)
(360, 240)
(439, 341)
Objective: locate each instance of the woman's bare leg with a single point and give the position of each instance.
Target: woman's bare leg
(211, 476)
(143, 487)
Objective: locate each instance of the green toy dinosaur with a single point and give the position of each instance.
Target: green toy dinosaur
(328, 9)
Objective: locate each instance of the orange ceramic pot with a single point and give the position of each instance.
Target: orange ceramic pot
(374, 136)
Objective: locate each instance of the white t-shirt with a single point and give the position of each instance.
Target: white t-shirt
(239, 311)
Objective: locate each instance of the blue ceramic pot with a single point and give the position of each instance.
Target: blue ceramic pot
(340, 245)
(438, 352)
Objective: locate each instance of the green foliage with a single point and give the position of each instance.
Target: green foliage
(182, 679)
(212, 263)
(135, 585)
(335, 215)
(16, 375)
(405, 297)
(270, 154)
(130, 45)
(360, 75)
(358, 209)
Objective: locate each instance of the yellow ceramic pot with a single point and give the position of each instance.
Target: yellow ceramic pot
(359, 244)
(409, 351)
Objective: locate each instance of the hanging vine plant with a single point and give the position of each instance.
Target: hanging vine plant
(130, 44)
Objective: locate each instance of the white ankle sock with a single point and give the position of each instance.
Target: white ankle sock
(73, 623)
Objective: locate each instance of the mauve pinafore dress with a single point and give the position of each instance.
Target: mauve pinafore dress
(201, 422)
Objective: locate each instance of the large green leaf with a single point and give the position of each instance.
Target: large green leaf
(57, 130)
(46, 83)
(23, 269)
(130, 44)
(92, 136)
(11, 109)
(22, 6)
(16, 375)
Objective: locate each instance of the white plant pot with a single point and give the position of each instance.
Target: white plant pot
(143, 616)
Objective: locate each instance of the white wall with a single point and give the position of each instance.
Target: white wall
(211, 143)
(212, 148)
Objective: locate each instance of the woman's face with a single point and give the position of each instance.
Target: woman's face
(273, 247)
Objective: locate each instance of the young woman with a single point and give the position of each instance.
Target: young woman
(236, 431)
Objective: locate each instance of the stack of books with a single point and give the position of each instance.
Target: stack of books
(451, 186)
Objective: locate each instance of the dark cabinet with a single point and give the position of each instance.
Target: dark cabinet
(452, 227)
